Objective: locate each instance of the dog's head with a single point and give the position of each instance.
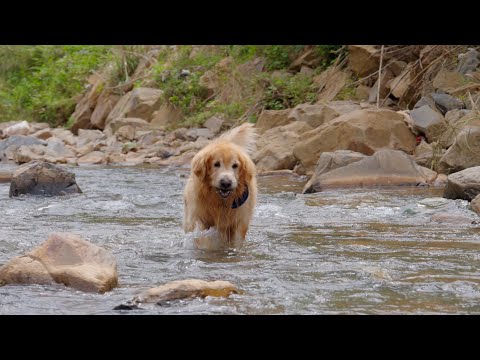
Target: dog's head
(224, 168)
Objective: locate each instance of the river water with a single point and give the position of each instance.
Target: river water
(351, 251)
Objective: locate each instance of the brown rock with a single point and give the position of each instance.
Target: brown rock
(127, 132)
(66, 259)
(456, 121)
(428, 155)
(214, 124)
(363, 59)
(43, 134)
(363, 131)
(65, 135)
(448, 218)
(95, 157)
(313, 115)
(167, 115)
(113, 126)
(464, 153)
(440, 181)
(181, 289)
(330, 83)
(449, 81)
(105, 104)
(269, 119)
(5, 176)
(275, 147)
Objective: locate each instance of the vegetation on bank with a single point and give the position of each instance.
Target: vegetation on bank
(44, 82)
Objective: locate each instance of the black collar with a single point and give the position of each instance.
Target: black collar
(239, 202)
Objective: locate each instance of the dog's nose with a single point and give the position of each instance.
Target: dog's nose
(225, 184)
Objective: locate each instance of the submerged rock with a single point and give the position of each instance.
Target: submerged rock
(181, 289)
(41, 178)
(67, 259)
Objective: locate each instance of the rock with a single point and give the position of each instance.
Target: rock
(65, 135)
(43, 134)
(387, 77)
(180, 134)
(396, 66)
(313, 115)
(126, 132)
(449, 81)
(276, 173)
(468, 62)
(464, 153)
(14, 142)
(364, 131)
(362, 93)
(399, 85)
(426, 100)
(363, 59)
(21, 128)
(65, 259)
(457, 120)
(330, 83)
(464, 184)
(166, 116)
(385, 167)
(440, 181)
(428, 122)
(105, 104)
(447, 218)
(310, 58)
(25, 154)
(139, 103)
(85, 149)
(269, 119)
(275, 147)
(428, 155)
(56, 149)
(5, 176)
(345, 106)
(214, 124)
(40, 178)
(194, 134)
(95, 157)
(113, 126)
(475, 204)
(90, 136)
(330, 161)
(447, 102)
(181, 289)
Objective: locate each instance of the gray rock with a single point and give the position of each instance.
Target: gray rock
(464, 184)
(14, 142)
(45, 179)
(194, 134)
(214, 124)
(447, 102)
(428, 121)
(468, 62)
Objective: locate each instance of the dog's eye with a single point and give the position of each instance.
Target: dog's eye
(235, 166)
(217, 164)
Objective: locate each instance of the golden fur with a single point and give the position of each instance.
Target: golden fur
(225, 158)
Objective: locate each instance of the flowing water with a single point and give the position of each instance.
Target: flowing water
(353, 251)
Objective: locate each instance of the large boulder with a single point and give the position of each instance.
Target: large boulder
(138, 103)
(464, 152)
(20, 128)
(86, 105)
(429, 122)
(456, 121)
(363, 59)
(167, 115)
(269, 119)
(41, 178)
(330, 161)
(364, 131)
(313, 115)
(384, 168)
(464, 184)
(65, 259)
(329, 84)
(105, 105)
(275, 147)
(446, 102)
(181, 289)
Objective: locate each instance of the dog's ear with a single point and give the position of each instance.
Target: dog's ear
(246, 169)
(200, 166)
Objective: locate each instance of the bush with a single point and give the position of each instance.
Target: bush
(287, 92)
(38, 82)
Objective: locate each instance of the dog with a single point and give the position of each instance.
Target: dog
(221, 191)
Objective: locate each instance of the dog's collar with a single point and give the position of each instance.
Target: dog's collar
(241, 200)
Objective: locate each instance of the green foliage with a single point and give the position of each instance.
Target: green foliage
(38, 82)
(242, 53)
(229, 111)
(125, 60)
(287, 92)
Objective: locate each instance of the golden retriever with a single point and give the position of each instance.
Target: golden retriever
(221, 191)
